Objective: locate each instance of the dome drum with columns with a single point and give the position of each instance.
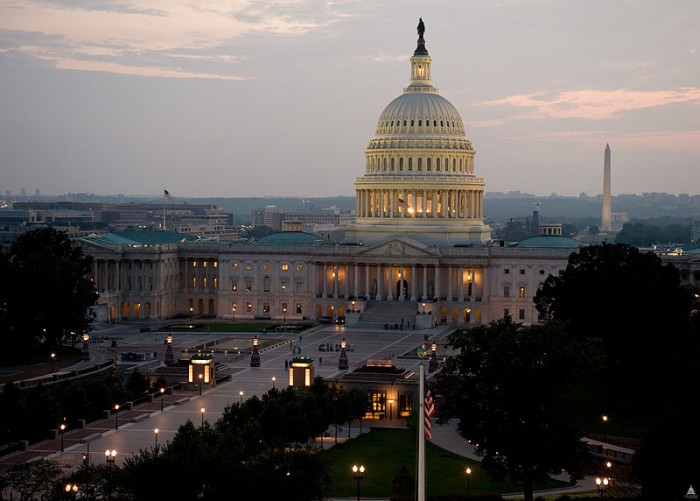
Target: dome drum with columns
(419, 175)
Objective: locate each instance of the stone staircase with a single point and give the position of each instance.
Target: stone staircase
(377, 314)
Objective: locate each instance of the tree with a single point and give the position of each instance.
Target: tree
(50, 293)
(629, 299)
(512, 388)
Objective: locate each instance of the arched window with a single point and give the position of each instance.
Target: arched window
(400, 163)
(411, 123)
(441, 123)
(429, 163)
(392, 164)
(437, 164)
(420, 122)
(434, 123)
(427, 123)
(404, 123)
(410, 163)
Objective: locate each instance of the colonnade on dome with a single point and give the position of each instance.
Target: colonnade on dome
(424, 203)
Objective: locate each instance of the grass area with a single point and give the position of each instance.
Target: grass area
(65, 356)
(383, 452)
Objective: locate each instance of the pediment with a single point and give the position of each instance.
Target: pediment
(398, 247)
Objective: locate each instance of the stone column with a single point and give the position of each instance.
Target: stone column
(325, 276)
(336, 280)
(460, 286)
(379, 281)
(367, 287)
(437, 282)
(425, 283)
(401, 280)
(413, 282)
(390, 292)
(449, 283)
(356, 283)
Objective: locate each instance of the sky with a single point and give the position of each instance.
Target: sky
(209, 98)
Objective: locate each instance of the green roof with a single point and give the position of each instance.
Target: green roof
(550, 242)
(147, 237)
(291, 238)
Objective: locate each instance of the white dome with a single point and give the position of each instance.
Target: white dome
(420, 114)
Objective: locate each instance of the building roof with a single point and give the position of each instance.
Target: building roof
(550, 242)
(291, 238)
(148, 237)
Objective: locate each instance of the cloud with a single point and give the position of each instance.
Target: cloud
(594, 104)
(175, 36)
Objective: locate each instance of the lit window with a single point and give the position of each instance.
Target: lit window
(266, 266)
(248, 307)
(234, 307)
(266, 307)
(216, 264)
(299, 267)
(194, 282)
(298, 308)
(234, 266)
(248, 266)
(285, 267)
(204, 264)
(234, 286)
(194, 264)
(521, 292)
(215, 282)
(204, 283)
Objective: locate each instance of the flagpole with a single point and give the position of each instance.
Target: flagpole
(164, 199)
(421, 432)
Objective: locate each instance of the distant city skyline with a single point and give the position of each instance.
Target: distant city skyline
(272, 98)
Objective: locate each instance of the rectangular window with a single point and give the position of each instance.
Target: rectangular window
(285, 267)
(284, 308)
(521, 292)
(284, 285)
(234, 286)
(521, 314)
(266, 284)
(216, 282)
(216, 264)
(522, 271)
(266, 266)
(506, 291)
(234, 266)
(234, 307)
(248, 266)
(249, 307)
(194, 264)
(266, 308)
(299, 267)
(506, 312)
(298, 308)
(248, 285)
(194, 282)
(204, 264)
(204, 283)
(299, 286)
(506, 271)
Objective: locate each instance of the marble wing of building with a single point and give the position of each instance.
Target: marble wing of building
(418, 252)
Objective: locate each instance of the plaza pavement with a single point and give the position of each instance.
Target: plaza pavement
(136, 426)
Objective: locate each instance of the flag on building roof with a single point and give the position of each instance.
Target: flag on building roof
(167, 195)
(403, 204)
(429, 411)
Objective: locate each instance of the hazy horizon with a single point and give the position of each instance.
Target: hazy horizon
(270, 98)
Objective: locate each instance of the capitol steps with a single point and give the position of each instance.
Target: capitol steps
(388, 313)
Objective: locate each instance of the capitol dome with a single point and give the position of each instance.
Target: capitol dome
(419, 173)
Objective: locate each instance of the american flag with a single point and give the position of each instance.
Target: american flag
(403, 204)
(429, 412)
(167, 195)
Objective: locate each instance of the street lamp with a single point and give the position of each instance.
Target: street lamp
(424, 308)
(85, 352)
(155, 432)
(202, 411)
(53, 359)
(71, 488)
(358, 471)
(63, 428)
(162, 394)
(116, 416)
(273, 382)
(191, 314)
(605, 428)
(343, 363)
(200, 384)
(391, 402)
(240, 394)
(602, 484)
(468, 471)
(110, 456)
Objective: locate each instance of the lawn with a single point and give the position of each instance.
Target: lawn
(383, 452)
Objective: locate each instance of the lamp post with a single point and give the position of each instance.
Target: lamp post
(110, 456)
(468, 471)
(343, 359)
(116, 416)
(605, 428)
(162, 394)
(155, 432)
(169, 356)
(602, 484)
(53, 359)
(191, 314)
(391, 403)
(433, 364)
(71, 489)
(255, 356)
(424, 308)
(358, 471)
(63, 429)
(273, 382)
(202, 410)
(200, 384)
(240, 394)
(85, 352)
